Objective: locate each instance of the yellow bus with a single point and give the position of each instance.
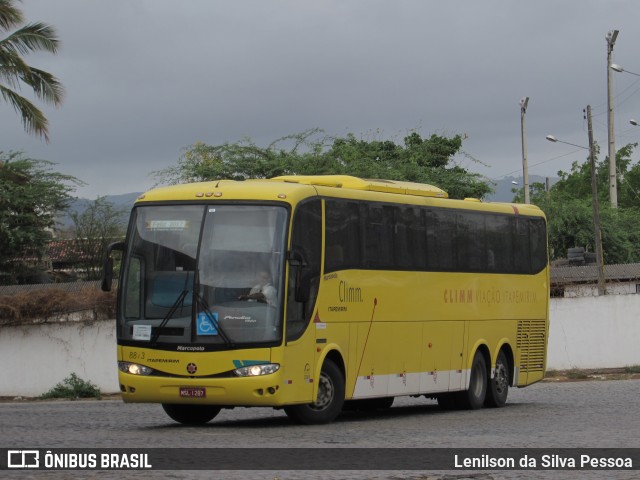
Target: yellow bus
(318, 293)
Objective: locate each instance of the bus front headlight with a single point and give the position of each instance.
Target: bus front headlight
(134, 368)
(256, 370)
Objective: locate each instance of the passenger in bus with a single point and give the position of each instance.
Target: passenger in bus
(263, 291)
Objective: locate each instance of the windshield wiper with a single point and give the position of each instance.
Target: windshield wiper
(179, 301)
(207, 311)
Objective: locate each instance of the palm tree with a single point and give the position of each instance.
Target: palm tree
(14, 72)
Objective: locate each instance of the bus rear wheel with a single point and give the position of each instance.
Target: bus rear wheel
(330, 399)
(191, 414)
(499, 386)
(474, 398)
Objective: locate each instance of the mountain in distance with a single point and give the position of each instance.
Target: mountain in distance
(123, 202)
(502, 188)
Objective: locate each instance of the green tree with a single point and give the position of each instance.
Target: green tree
(14, 71)
(569, 210)
(241, 160)
(31, 196)
(417, 159)
(95, 228)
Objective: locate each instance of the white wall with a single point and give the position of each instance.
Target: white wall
(594, 332)
(35, 358)
(613, 288)
(586, 332)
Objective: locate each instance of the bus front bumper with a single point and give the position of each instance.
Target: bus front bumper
(262, 390)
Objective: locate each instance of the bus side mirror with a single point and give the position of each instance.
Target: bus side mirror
(107, 267)
(303, 285)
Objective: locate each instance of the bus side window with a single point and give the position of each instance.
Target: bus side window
(306, 238)
(539, 254)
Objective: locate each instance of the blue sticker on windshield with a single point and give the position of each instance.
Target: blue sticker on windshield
(206, 323)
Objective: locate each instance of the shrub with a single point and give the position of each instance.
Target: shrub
(576, 374)
(43, 304)
(73, 387)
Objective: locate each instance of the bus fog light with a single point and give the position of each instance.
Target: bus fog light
(134, 368)
(256, 370)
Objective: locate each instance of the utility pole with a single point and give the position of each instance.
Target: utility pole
(525, 169)
(613, 175)
(596, 208)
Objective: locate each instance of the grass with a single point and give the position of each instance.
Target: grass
(575, 374)
(72, 388)
(623, 373)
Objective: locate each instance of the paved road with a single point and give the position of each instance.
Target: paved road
(550, 415)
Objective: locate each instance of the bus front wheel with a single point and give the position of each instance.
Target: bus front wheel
(191, 414)
(330, 399)
(474, 398)
(499, 386)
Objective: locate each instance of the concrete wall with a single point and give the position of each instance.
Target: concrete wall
(35, 358)
(613, 288)
(586, 332)
(594, 332)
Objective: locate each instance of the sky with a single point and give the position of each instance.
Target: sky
(146, 79)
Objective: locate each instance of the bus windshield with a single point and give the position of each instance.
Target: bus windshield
(206, 275)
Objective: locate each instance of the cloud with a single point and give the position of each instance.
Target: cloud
(146, 79)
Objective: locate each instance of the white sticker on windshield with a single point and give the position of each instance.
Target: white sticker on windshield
(142, 332)
(167, 225)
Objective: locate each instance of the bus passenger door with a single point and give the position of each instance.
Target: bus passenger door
(302, 290)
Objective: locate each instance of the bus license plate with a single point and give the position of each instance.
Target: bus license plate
(193, 392)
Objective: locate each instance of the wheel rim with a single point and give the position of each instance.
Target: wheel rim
(325, 393)
(501, 378)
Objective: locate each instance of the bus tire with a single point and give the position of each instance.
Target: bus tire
(499, 385)
(474, 398)
(329, 402)
(191, 414)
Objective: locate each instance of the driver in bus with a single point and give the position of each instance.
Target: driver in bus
(263, 291)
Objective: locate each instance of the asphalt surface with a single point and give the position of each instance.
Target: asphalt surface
(552, 415)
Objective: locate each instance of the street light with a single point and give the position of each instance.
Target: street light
(594, 201)
(617, 68)
(553, 139)
(525, 169)
(613, 176)
(634, 122)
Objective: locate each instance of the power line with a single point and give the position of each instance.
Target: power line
(539, 163)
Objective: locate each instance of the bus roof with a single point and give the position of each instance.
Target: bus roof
(294, 188)
(346, 181)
